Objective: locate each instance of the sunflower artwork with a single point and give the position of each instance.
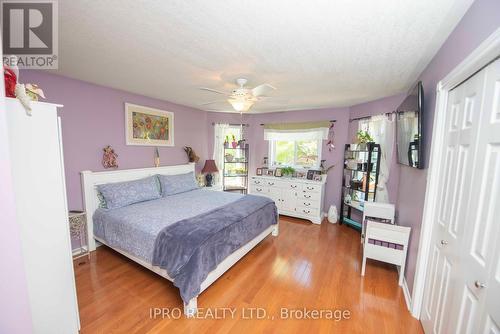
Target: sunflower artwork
(148, 126)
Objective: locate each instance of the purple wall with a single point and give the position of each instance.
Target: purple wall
(480, 21)
(93, 117)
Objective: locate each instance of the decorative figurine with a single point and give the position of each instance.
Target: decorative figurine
(109, 158)
(157, 157)
(331, 134)
(192, 157)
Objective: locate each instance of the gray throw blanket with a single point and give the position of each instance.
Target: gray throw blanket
(191, 248)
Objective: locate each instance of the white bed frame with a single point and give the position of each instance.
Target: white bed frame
(90, 181)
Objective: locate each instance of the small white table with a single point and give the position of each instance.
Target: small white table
(78, 231)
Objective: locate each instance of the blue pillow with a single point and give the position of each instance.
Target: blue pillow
(176, 184)
(121, 194)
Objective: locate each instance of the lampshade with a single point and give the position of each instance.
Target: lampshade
(210, 167)
(241, 104)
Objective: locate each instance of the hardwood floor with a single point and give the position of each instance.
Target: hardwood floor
(306, 266)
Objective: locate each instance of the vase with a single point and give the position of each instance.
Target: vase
(235, 144)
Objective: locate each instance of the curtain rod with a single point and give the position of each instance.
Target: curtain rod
(233, 124)
(332, 121)
(366, 117)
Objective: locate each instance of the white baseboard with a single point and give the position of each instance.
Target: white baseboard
(407, 294)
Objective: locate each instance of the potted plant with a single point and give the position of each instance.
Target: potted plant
(363, 137)
(288, 171)
(234, 143)
(226, 142)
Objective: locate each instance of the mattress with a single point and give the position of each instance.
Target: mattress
(134, 228)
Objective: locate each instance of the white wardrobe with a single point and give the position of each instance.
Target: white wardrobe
(41, 211)
(462, 291)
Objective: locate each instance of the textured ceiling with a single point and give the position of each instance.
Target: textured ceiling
(316, 53)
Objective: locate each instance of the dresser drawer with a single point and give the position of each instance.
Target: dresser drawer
(257, 182)
(292, 186)
(309, 196)
(308, 204)
(314, 212)
(257, 189)
(315, 188)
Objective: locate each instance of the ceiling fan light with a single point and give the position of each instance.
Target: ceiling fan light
(240, 105)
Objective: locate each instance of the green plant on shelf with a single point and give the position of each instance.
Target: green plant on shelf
(288, 171)
(364, 137)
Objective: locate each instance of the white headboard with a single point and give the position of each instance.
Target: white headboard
(90, 181)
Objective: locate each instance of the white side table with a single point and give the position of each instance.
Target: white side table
(78, 231)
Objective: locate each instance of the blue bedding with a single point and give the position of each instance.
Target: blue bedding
(190, 249)
(134, 228)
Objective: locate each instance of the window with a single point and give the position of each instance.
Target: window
(296, 153)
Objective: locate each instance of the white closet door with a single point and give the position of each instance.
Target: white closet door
(480, 295)
(462, 128)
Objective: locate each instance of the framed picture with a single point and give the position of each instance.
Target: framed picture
(311, 173)
(270, 172)
(301, 175)
(278, 172)
(317, 177)
(148, 126)
(259, 171)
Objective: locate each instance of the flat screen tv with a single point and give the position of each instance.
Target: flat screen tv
(409, 118)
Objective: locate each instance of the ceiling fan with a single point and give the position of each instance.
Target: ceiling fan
(242, 98)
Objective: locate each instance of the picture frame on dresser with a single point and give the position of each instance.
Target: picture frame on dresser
(258, 172)
(311, 173)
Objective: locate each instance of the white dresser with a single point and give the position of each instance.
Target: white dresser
(294, 197)
(40, 195)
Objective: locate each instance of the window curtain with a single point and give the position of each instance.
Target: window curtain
(382, 129)
(218, 156)
(297, 131)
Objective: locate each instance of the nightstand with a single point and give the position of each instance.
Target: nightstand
(78, 232)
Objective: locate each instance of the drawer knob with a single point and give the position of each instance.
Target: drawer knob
(257, 182)
(310, 188)
(307, 211)
(479, 285)
(293, 186)
(307, 196)
(258, 189)
(307, 204)
(270, 183)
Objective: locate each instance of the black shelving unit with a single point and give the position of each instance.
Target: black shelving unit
(235, 173)
(360, 183)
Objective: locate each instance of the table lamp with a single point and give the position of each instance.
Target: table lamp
(209, 168)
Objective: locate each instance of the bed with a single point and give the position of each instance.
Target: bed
(189, 238)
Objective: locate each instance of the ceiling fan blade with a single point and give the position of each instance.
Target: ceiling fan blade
(262, 89)
(212, 102)
(214, 91)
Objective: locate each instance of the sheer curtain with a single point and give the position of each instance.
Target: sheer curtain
(382, 129)
(219, 136)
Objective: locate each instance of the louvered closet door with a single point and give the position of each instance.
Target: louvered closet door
(480, 294)
(445, 266)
